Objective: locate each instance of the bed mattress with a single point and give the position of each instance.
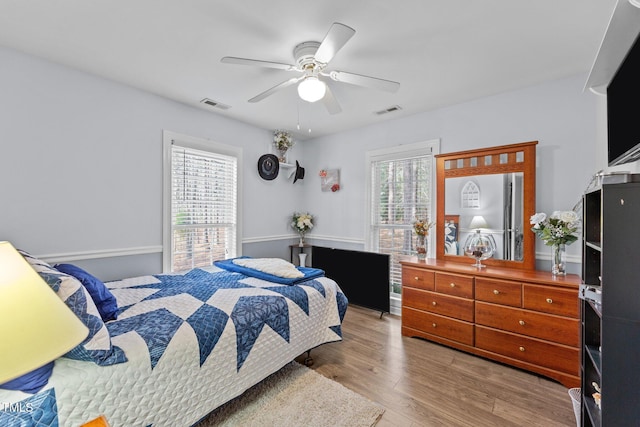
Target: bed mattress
(193, 341)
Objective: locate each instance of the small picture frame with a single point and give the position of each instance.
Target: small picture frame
(330, 180)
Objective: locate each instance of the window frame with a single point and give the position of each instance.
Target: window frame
(187, 141)
(406, 151)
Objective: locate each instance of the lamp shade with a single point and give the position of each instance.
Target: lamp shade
(478, 221)
(37, 326)
(311, 89)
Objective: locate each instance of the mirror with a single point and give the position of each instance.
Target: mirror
(499, 200)
(494, 187)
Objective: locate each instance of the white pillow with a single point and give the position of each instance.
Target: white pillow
(276, 266)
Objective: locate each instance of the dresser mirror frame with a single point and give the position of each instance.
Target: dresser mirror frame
(493, 160)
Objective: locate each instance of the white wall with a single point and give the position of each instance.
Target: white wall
(558, 114)
(81, 161)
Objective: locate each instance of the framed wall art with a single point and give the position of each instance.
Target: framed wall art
(330, 180)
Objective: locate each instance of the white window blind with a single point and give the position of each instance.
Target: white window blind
(204, 200)
(401, 192)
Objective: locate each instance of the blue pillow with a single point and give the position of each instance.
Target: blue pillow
(31, 382)
(97, 347)
(101, 296)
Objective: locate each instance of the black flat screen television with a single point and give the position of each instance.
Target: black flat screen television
(362, 276)
(623, 119)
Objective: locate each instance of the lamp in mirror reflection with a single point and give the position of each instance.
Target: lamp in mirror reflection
(479, 245)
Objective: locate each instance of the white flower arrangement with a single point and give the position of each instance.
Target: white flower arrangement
(559, 228)
(302, 222)
(282, 140)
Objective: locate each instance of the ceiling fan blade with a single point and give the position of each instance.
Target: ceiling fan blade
(276, 88)
(257, 63)
(330, 102)
(338, 36)
(366, 81)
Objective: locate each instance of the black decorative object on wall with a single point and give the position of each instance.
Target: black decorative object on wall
(299, 172)
(268, 166)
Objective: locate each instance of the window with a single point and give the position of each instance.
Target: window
(200, 202)
(400, 188)
(470, 195)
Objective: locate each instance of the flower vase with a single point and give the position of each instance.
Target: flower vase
(301, 244)
(303, 259)
(421, 246)
(282, 156)
(558, 259)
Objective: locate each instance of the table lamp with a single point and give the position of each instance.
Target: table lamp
(479, 245)
(37, 326)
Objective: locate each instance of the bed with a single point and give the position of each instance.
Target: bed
(182, 345)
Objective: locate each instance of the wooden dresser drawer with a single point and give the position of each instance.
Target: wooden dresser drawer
(455, 284)
(417, 278)
(499, 291)
(435, 324)
(552, 300)
(433, 302)
(525, 318)
(549, 327)
(554, 356)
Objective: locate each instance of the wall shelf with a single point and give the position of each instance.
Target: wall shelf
(291, 169)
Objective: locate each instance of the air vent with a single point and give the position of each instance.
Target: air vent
(216, 104)
(389, 110)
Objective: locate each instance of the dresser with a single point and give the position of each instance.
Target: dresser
(524, 318)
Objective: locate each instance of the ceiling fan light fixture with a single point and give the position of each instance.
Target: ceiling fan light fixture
(311, 89)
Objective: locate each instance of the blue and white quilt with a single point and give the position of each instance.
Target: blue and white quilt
(193, 341)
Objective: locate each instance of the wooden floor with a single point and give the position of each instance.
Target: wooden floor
(425, 384)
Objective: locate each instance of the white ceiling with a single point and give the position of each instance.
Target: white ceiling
(442, 52)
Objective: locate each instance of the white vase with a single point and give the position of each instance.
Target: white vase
(282, 156)
(303, 259)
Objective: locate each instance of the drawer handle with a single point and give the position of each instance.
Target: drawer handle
(434, 325)
(496, 292)
(434, 303)
(549, 300)
(416, 278)
(521, 348)
(521, 322)
(453, 285)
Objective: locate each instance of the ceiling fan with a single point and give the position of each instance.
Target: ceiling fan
(312, 59)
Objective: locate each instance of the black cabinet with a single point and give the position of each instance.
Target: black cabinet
(610, 314)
